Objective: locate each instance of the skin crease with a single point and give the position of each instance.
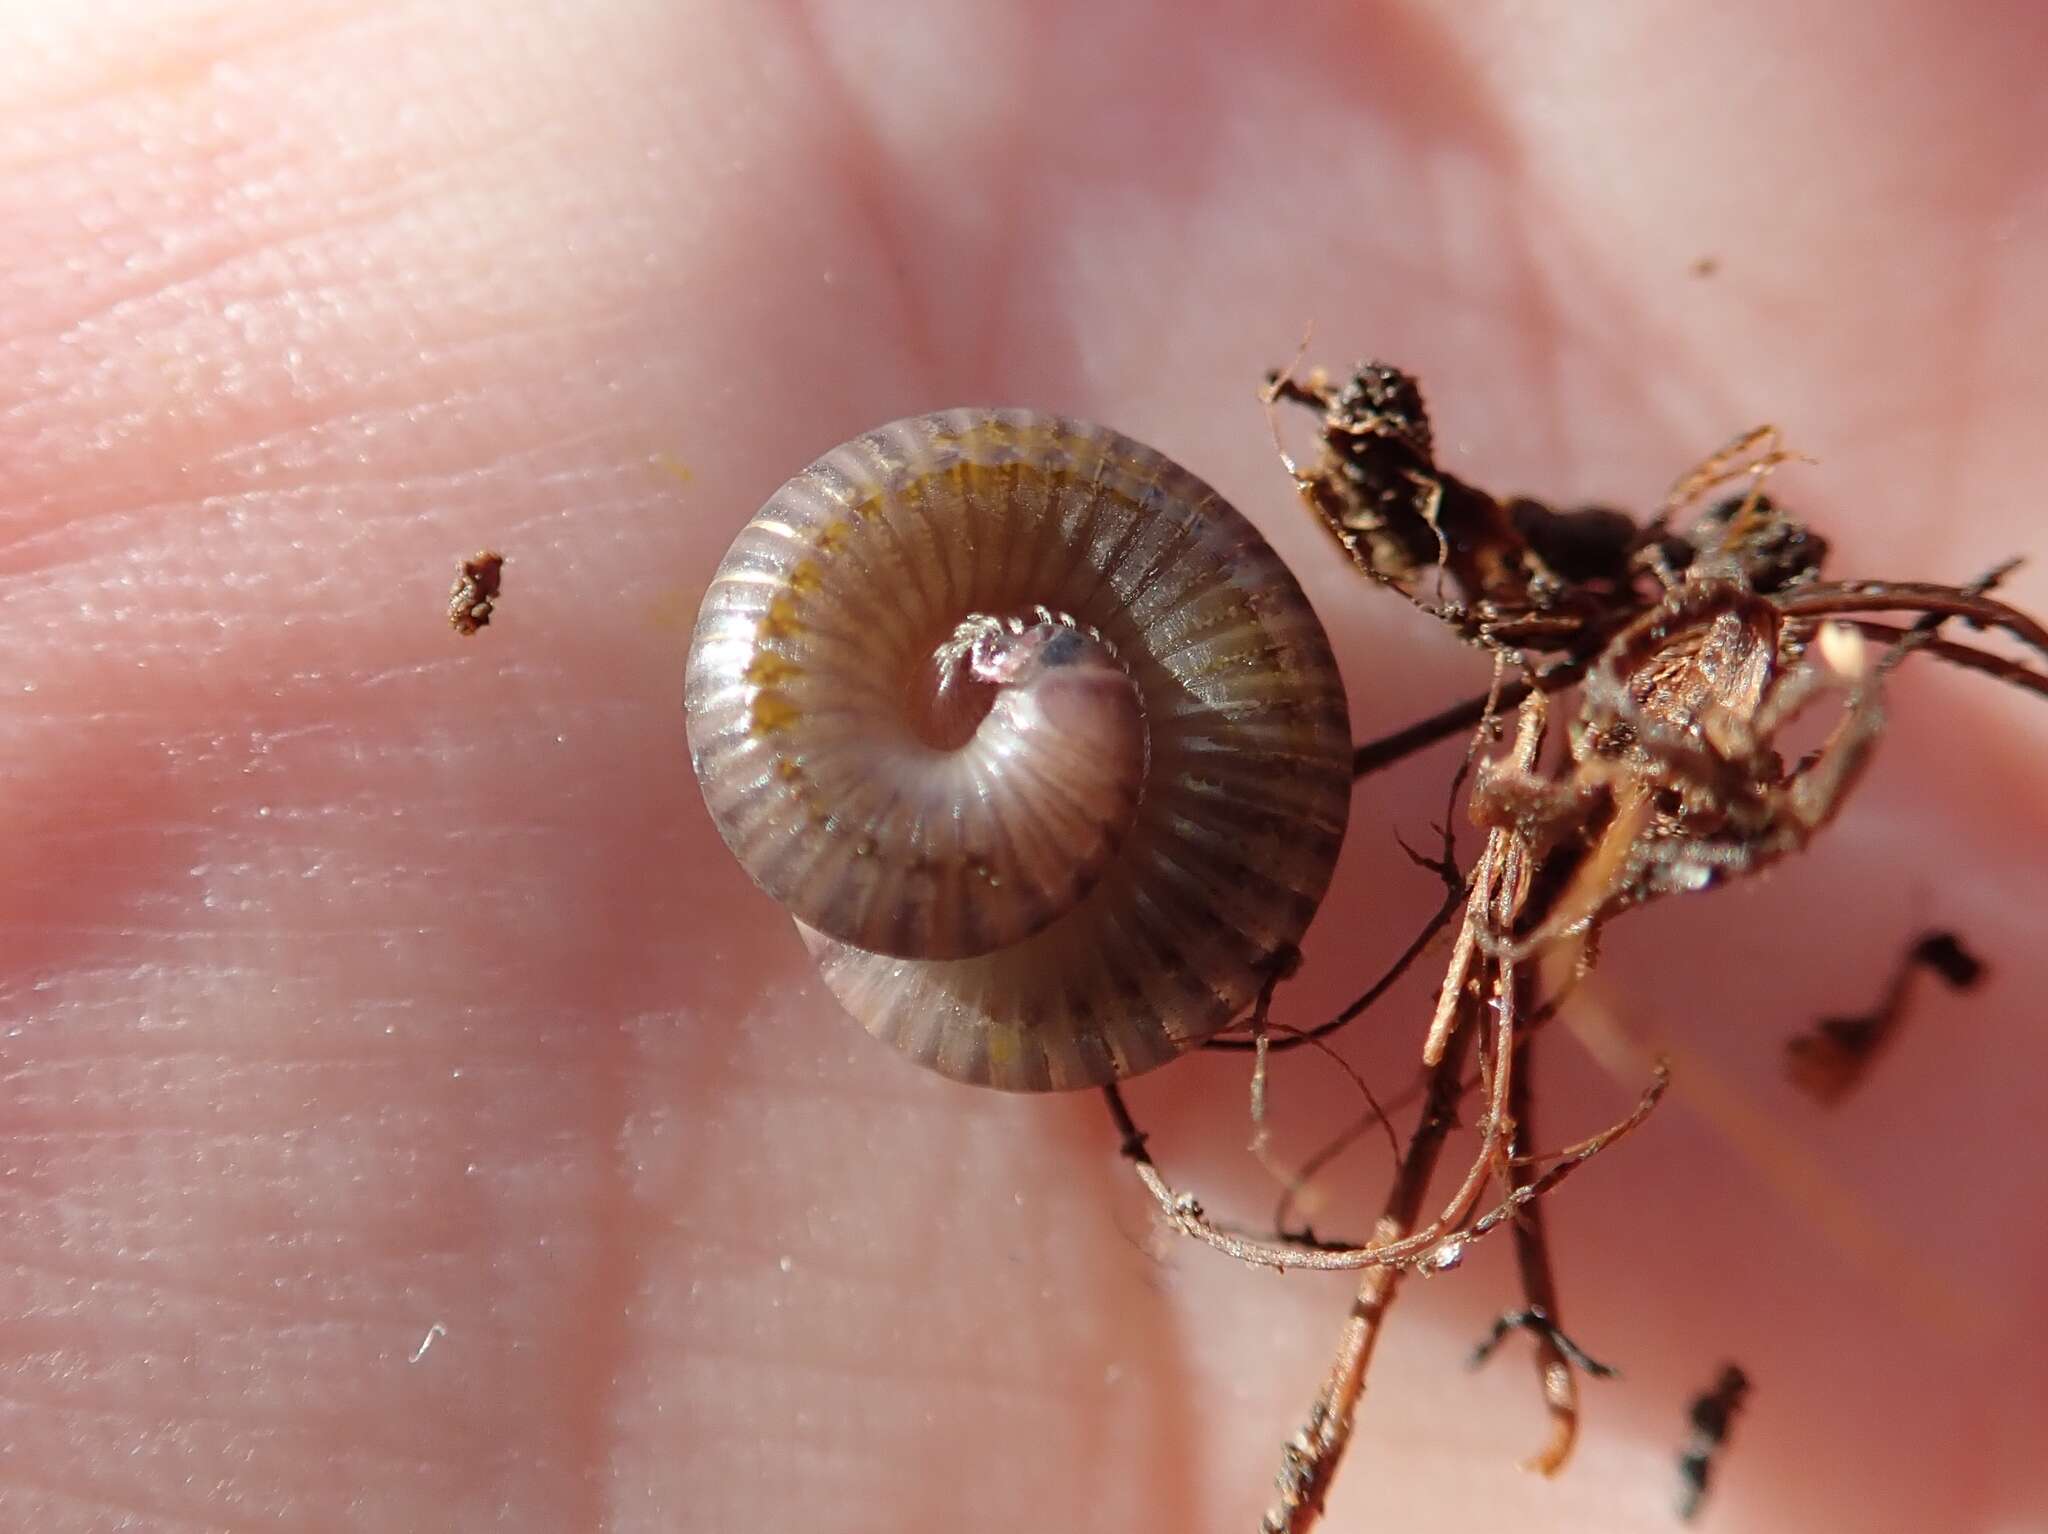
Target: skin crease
(360, 980)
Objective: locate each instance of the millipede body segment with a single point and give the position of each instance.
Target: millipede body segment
(1032, 733)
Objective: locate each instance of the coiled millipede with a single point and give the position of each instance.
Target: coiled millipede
(1032, 733)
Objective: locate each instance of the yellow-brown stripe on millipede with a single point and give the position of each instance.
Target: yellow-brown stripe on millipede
(1033, 734)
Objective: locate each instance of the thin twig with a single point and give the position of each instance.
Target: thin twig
(1850, 597)
(1302, 1175)
(1375, 755)
(1539, 1283)
(1130, 1138)
(1498, 886)
(1968, 657)
(1297, 1038)
(1434, 1248)
(1532, 1319)
(1310, 1458)
(1257, 1023)
(1573, 1157)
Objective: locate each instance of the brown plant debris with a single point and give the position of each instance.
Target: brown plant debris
(1834, 1057)
(474, 597)
(1652, 668)
(1711, 1416)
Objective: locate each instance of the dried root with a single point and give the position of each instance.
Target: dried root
(1676, 651)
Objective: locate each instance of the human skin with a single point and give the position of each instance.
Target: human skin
(412, 1118)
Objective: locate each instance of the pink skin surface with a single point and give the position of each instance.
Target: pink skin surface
(365, 988)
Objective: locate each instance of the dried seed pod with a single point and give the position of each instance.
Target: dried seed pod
(1032, 733)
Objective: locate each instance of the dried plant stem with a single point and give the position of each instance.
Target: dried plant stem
(1851, 598)
(1305, 1037)
(1572, 1157)
(1968, 657)
(1500, 888)
(1445, 867)
(1311, 1457)
(1459, 718)
(1294, 1181)
(1436, 1247)
(1692, 648)
(1539, 1285)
